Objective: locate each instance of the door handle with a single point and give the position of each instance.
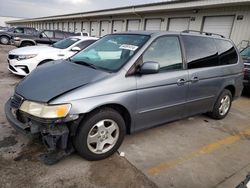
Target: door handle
(194, 79)
(181, 81)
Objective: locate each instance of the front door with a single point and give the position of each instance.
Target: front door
(161, 96)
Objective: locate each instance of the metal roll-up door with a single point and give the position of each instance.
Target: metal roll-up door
(85, 26)
(71, 26)
(178, 24)
(133, 25)
(219, 24)
(153, 24)
(94, 29)
(117, 26)
(105, 25)
(60, 26)
(65, 26)
(78, 27)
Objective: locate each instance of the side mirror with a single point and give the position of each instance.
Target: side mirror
(75, 49)
(150, 67)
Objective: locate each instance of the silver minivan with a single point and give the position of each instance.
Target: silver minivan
(124, 83)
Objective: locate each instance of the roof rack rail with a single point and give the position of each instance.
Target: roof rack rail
(201, 32)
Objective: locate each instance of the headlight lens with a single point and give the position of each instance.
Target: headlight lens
(45, 111)
(23, 57)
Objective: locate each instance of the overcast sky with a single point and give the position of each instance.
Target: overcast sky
(37, 8)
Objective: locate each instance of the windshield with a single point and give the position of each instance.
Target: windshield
(111, 52)
(245, 52)
(65, 43)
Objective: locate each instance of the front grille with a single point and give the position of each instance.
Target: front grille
(16, 101)
(11, 56)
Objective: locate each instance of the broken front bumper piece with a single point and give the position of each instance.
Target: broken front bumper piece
(55, 136)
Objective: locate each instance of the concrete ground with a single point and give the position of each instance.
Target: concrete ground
(194, 152)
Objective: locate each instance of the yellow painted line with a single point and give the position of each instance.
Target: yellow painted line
(203, 150)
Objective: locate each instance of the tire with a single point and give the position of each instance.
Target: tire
(93, 127)
(4, 40)
(218, 112)
(23, 44)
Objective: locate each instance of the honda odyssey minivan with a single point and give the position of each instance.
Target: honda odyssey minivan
(124, 83)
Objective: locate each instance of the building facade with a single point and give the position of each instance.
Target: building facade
(230, 18)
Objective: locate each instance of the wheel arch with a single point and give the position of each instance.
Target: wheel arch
(232, 89)
(44, 61)
(122, 110)
(27, 41)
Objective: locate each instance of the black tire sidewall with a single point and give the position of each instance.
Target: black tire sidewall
(215, 113)
(80, 140)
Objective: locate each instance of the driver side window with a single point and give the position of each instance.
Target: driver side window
(166, 51)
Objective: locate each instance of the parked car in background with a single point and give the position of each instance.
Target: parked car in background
(6, 36)
(124, 83)
(3, 28)
(245, 53)
(44, 37)
(23, 60)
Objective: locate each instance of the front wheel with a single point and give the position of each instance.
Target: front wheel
(100, 134)
(222, 105)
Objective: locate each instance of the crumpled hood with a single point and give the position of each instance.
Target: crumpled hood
(53, 79)
(33, 50)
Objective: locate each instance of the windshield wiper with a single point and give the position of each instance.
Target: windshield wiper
(84, 63)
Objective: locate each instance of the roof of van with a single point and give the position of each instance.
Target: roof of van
(186, 32)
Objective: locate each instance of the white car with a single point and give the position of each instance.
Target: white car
(23, 60)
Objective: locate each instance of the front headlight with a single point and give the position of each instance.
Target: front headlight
(44, 110)
(23, 57)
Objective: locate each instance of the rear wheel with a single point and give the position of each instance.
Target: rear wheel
(4, 40)
(100, 134)
(222, 105)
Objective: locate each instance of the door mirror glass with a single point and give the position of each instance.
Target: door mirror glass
(75, 49)
(150, 67)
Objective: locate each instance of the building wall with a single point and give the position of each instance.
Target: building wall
(240, 28)
(4, 19)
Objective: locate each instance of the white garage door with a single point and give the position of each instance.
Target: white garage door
(65, 26)
(219, 24)
(71, 26)
(178, 24)
(133, 25)
(78, 27)
(85, 27)
(117, 26)
(60, 26)
(153, 24)
(105, 28)
(94, 29)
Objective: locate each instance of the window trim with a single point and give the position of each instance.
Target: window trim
(133, 69)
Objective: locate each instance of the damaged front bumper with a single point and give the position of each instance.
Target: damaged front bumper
(55, 134)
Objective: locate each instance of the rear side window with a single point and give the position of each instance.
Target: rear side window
(200, 51)
(59, 35)
(85, 44)
(227, 52)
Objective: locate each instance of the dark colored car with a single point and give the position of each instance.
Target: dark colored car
(43, 37)
(6, 36)
(245, 54)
